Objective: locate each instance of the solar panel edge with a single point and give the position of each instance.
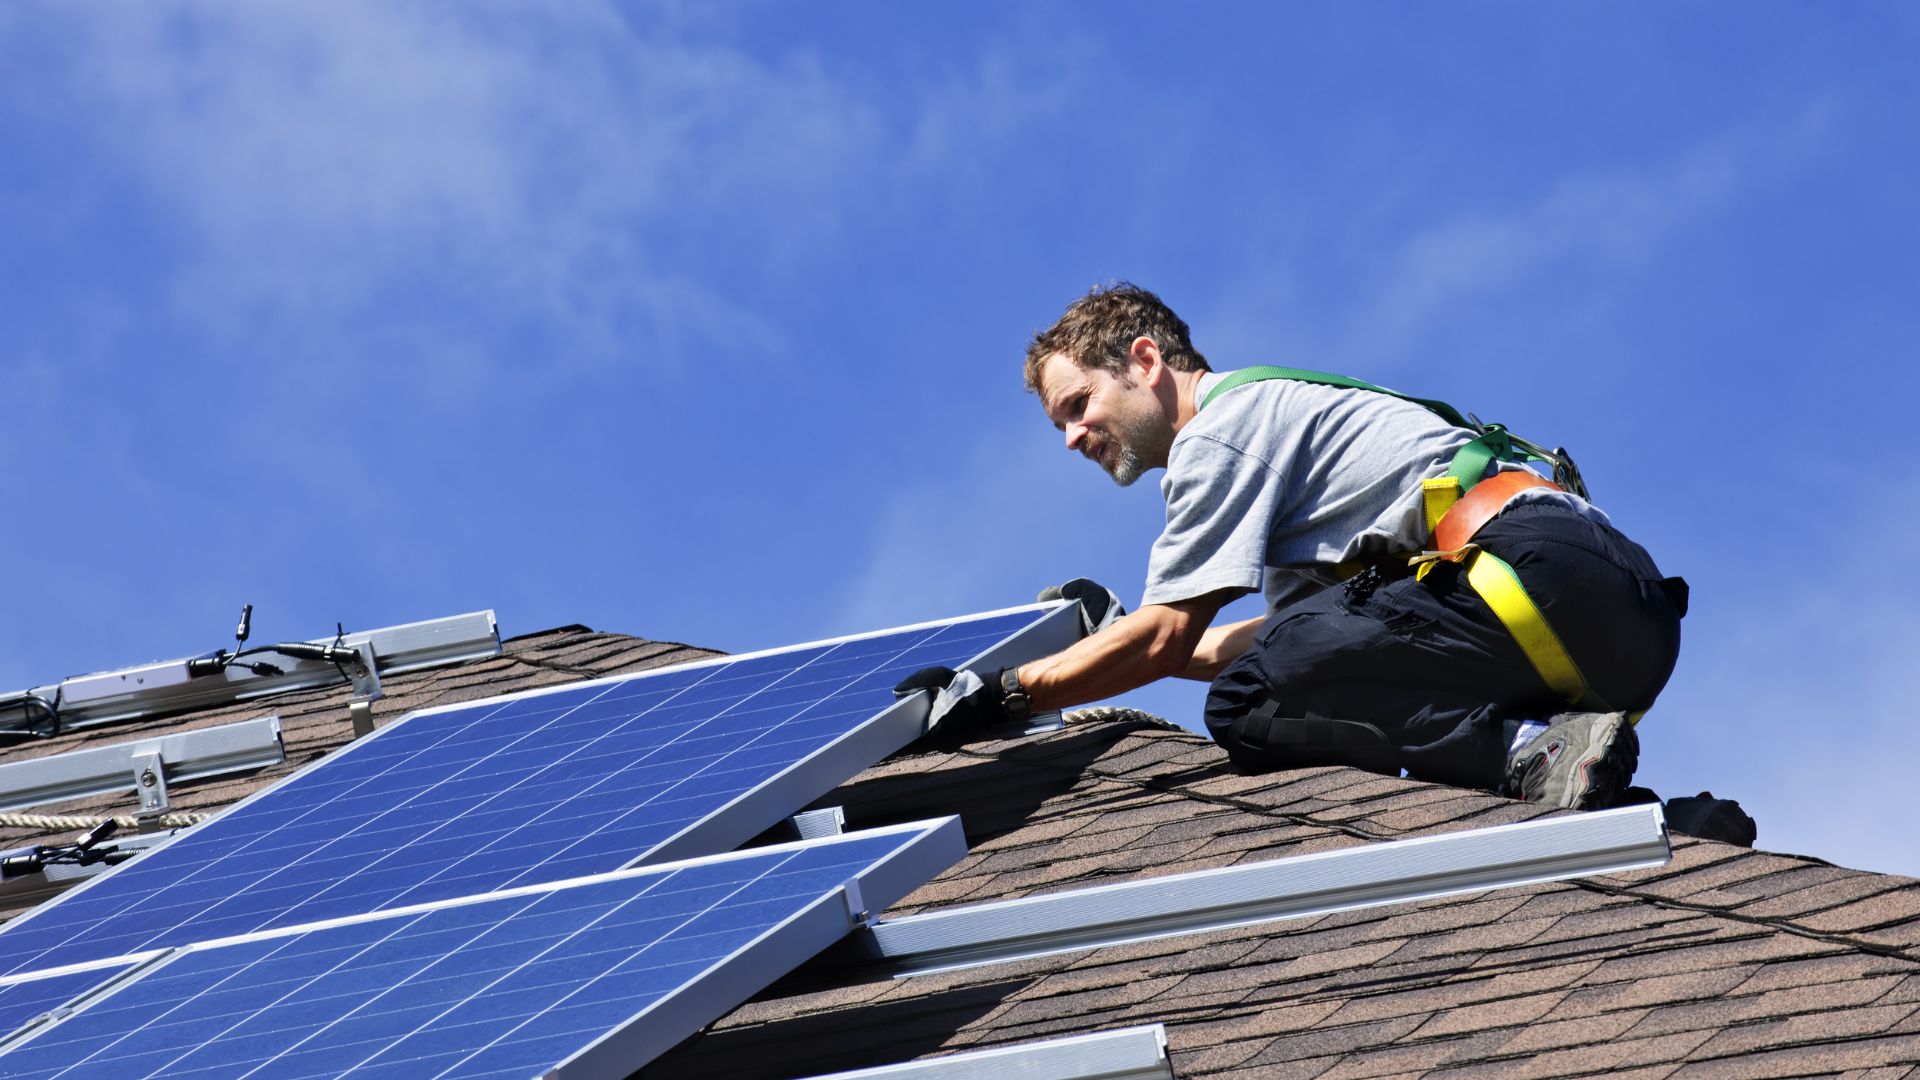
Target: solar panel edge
(943, 836)
(667, 1023)
(924, 849)
(116, 972)
(885, 733)
(360, 745)
(630, 1046)
(98, 880)
(1049, 606)
(59, 970)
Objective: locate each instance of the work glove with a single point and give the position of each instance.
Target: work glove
(964, 704)
(1099, 605)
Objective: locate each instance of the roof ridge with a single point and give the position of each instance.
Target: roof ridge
(577, 635)
(570, 628)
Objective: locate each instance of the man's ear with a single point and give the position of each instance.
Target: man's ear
(1143, 359)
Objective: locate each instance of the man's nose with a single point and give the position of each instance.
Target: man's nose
(1076, 434)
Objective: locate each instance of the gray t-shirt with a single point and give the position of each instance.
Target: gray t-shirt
(1275, 483)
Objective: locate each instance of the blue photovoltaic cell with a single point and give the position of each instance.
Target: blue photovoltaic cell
(491, 795)
(22, 1001)
(505, 987)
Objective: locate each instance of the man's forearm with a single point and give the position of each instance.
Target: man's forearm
(1218, 647)
(1148, 645)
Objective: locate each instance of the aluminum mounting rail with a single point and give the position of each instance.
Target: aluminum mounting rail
(144, 765)
(1392, 872)
(165, 687)
(1135, 1053)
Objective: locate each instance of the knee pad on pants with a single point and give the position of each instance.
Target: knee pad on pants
(1261, 740)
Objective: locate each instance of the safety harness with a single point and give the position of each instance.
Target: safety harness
(1458, 504)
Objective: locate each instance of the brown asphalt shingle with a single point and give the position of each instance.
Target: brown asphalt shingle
(1649, 973)
(1726, 962)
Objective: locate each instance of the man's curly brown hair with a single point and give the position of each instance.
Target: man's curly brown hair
(1097, 330)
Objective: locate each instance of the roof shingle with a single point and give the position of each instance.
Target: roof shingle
(1726, 962)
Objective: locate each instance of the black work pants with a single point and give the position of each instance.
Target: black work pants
(1418, 674)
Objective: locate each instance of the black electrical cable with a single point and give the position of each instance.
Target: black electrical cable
(339, 645)
(333, 654)
(26, 702)
(336, 653)
(85, 851)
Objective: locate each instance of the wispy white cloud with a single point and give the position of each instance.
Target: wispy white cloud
(1616, 218)
(542, 164)
(528, 160)
(1612, 220)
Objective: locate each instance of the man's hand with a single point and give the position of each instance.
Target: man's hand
(964, 705)
(1099, 605)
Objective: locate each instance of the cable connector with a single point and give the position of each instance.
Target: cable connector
(82, 852)
(306, 650)
(211, 664)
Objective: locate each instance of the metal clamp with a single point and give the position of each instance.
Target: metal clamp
(150, 782)
(364, 673)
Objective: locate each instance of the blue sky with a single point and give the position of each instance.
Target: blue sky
(703, 322)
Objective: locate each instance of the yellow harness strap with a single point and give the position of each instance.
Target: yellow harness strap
(1500, 588)
(1439, 494)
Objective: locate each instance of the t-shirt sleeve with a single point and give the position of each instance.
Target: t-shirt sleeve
(1220, 513)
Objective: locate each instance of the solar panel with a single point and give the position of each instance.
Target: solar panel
(28, 998)
(532, 787)
(590, 977)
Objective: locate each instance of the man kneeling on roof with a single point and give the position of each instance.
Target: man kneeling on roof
(1506, 638)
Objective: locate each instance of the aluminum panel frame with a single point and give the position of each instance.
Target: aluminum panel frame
(615, 1055)
(1056, 625)
(783, 794)
(922, 851)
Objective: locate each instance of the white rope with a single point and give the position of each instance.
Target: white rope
(1118, 714)
(66, 821)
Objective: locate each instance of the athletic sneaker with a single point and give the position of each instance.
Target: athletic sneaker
(1581, 762)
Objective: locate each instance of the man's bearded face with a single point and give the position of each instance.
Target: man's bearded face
(1127, 447)
(1108, 418)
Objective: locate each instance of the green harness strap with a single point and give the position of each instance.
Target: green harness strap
(1469, 462)
(1494, 580)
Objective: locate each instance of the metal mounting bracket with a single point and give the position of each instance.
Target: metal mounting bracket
(150, 781)
(364, 673)
(814, 824)
(858, 914)
(1042, 723)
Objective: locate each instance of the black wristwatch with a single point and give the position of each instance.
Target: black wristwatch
(1014, 699)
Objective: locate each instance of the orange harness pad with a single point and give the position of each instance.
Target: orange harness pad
(1479, 505)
